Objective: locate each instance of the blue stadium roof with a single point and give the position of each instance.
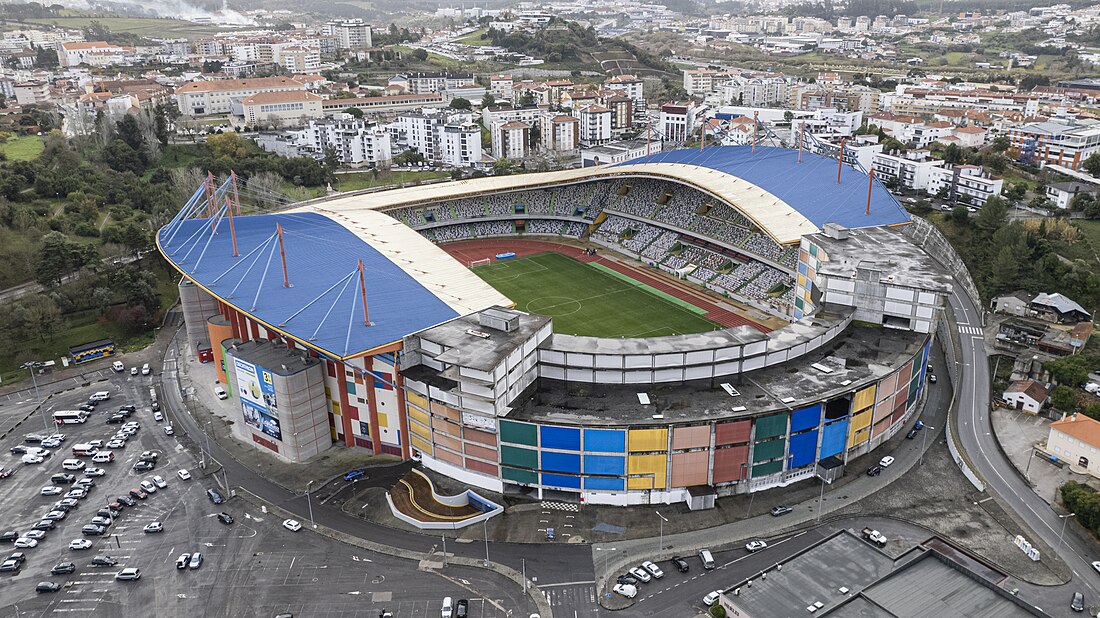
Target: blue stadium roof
(323, 307)
(809, 187)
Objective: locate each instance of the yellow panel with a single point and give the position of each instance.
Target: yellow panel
(648, 440)
(864, 398)
(417, 428)
(859, 438)
(802, 280)
(419, 415)
(423, 445)
(417, 399)
(336, 408)
(857, 431)
(383, 420)
(861, 420)
(647, 464)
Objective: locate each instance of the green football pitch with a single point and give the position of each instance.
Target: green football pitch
(590, 300)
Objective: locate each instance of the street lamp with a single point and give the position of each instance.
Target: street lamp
(661, 542)
(1064, 519)
(31, 366)
(309, 503)
(923, 437)
(207, 433)
(821, 499)
(606, 557)
(485, 533)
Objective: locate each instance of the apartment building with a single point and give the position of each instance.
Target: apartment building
(676, 121)
(91, 53)
(1061, 141)
(630, 86)
(755, 91)
(355, 140)
(421, 83)
(511, 140)
(595, 125)
(560, 133)
(349, 33)
(959, 180)
(299, 59)
(460, 144)
(911, 170)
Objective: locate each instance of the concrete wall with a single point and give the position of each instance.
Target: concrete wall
(926, 236)
(198, 307)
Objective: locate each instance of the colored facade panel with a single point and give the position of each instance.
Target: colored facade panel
(690, 469)
(482, 467)
(603, 484)
(905, 374)
(446, 442)
(859, 430)
(882, 409)
(412, 397)
(481, 437)
(420, 430)
(864, 398)
(518, 433)
(449, 457)
(806, 418)
(880, 427)
(448, 428)
(691, 437)
(419, 415)
(605, 465)
(729, 463)
(563, 438)
(735, 432)
(446, 412)
(648, 440)
(561, 480)
(604, 441)
(887, 386)
(914, 389)
(421, 444)
(652, 469)
(803, 449)
(832, 439)
(561, 462)
(519, 476)
(515, 456)
(771, 449)
(771, 426)
(475, 450)
(765, 469)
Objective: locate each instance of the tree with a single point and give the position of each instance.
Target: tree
(788, 116)
(229, 145)
(460, 103)
(960, 215)
(37, 315)
(354, 111)
(488, 100)
(60, 256)
(130, 132)
(420, 54)
(1092, 164)
(999, 143)
(952, 154)
(993, 215)
(122, 158)
(1063, 398)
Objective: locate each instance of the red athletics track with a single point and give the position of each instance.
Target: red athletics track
(467, 251)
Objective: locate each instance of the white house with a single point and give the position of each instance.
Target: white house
(1026, 395)
(595, 124)
(1076, 440)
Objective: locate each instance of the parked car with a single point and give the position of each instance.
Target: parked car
(51, 490)
(653, 569)
(94, 472)
(47, 587)
(181, 562)
(26, 543)
(153, 527)
(160, 482)
(681, 565)
(63, 568)
(129, 574)
(1077, 604)
(103, 561)
(755, 546)
(145, 369)
(711, 598)
(80, 544)
(9, 536)
(225, 518)
(627, 579)
(127, 500)
(144, 466)
(10, 565)
(641, 574)
(885, 462)
(184, 475)
(626, 590)
(148, 487)
(92, 530)
(874, 471)
(292, 524)
(195, 562)
(215, 496)
(780, 509)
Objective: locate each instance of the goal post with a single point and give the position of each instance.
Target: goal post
(483, 262)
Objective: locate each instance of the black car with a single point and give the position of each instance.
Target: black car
(781, 509)
(103, 561)
(47, 587)
(116, 419)
(127, 500)
(18, 556)
(680, 564)
(9, 536)
(629, 580)
(155, 406)
(874, 471)
(130, 409)
(66, 479)
(92, 530)
(225, 518)
(144, 466)
(18, 450)
(63, 568)
(45, 524)
(462, 609)
(215, 496)
(1078, 602)
(912, 433)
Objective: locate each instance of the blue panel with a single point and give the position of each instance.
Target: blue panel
(603, 484)
(604, 464)
(833, 438)
(805, 418)
(809, 187)
(561, 462)
(604, 441)
(803, 447)
(561, 480)
(564, 438)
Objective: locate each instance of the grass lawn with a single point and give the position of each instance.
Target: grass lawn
(474, 38)
(1090, 230)
(22, 148)
(366, 180)
(584, 300)
(142, 26)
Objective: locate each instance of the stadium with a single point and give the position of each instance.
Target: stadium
(691, 324)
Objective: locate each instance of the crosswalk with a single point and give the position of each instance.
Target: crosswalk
(579, 596)
(971, 330)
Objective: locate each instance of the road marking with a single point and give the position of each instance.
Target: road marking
(586, 583)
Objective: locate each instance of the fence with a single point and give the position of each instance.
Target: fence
(926, 236)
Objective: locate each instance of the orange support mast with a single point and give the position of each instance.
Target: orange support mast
(840, 160)
(282, 254)
(870, 186)
(363, 289)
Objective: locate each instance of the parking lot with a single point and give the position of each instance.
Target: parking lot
(251, 567)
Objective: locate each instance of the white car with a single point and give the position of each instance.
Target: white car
(755, 546)
(78, 544)
(184, 475)
(148, 487)
(160, 482)
(32, 459)
(94, 472)
(155, 526)
(626, 590)
(116, 443)
(145, 370)
(711, 598)
(157, 416)
(653, 569)
(220, 393)
(1096, 565)
(133, 370)
(886, 461)
(56, 515)
(24, 542)
(77, 493)
(640, 574)
(95, 443)
(293, 525)
(51, 490)
(168, 430)
(37, 535)
(51, 442)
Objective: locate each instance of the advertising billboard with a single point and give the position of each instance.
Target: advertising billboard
(256, 389)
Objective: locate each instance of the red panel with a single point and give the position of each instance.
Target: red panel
(446, 441)
(482, 467)
(255, 329)
(345, 415)
(448, 457)
(735, 432)
(448, 428)
(728, 463)
(402, 413)
(690, 468)
(477, 435)
(905, 375)
(880, 427)
(265, 442)
(481, 451)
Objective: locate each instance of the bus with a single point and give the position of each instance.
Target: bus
(70, 417)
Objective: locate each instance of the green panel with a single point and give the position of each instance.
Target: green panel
(767, 468)
(914, 387)
(771, 426)
(520, 476)
(519, 433)
(515, 456)
(764, 451)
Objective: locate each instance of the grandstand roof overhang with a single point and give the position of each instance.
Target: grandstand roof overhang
(785, 198)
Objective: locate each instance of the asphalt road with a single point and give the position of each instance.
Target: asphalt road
(976, 435)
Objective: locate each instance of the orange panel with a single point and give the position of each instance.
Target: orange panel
(476, 435)
(691, 437)
(448, 428)
(448, 457)
(446, 441)
(690, 468)
(481, 451)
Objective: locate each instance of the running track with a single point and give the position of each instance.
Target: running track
(467, 251)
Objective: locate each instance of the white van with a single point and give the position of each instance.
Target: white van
(708, 560)
(118, 366)
(104, 457)
(72, 464)
(100, 396)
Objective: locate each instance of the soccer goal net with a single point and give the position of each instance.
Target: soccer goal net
(484, 262)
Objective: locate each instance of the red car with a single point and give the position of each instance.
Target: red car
(6, 472)
(139, 494)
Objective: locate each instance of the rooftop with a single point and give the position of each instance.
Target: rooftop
(1079, 426)
(283, 96)
(488, 347)
(273, 357)
(886, 251)
(252, 83)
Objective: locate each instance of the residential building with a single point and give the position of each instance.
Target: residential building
(349, 33)
(970, 136)
(762, 90)
(511, 140)
(1015, 303)
(1026, 395)
(630, 85)
(219, 96)
(829, 123)
(841, 98)
(299, 59)
(1057, 307)
(595, 125)
(499, 114)
(91, 53)
(500, 86)
(283, 108)
(460, 144)
(1066, 142)
(622, 113)
(705, 81)
(677, 121)
(358, 141)
(421, 83)
(385, 104)
(911, 170)
(420, 131)
(560, 133)
(1062, 193)
(959, 180)
(32, 93)
(617, 152)
(1075, 440)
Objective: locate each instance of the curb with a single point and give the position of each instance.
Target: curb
(532, 591)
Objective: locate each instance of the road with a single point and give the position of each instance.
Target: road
(976, 435)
